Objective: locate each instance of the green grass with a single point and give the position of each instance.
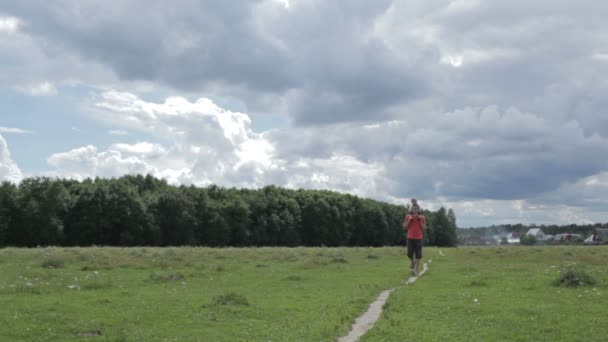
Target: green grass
(503, 294)
(190, 294)
(546, 293)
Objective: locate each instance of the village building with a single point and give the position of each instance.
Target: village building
(537, 233)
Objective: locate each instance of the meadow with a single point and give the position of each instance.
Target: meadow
(301, 294)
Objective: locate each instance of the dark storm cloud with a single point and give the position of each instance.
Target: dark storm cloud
(186, 44)
(320, 57)
(473, 153)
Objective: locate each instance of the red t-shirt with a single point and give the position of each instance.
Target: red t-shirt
(414, 226)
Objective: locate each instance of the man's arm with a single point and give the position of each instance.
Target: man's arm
(406, 222)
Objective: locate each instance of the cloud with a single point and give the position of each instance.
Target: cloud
(206, 143)
(39, 89)
(117, 132)
(14, 130)
(372, 60)
(473, 153)
(146, 149)
(87, 162)
(9, 171)
(9, 24)
(273, 61)
(37, 65)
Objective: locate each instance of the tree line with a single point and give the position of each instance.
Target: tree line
(136, 210)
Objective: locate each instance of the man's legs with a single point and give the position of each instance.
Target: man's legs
(410, 254)
(418, 253)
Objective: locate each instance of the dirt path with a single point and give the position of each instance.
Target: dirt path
(367, 320)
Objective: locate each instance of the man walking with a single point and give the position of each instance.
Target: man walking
(415, 225)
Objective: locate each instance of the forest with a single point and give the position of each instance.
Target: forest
(137, 210)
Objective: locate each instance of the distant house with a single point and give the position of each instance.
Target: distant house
(480, 240)
(537, 233)
(566, 237)
(513, 238)
(600, 236)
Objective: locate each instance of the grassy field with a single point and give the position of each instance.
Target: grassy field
(503, 294)
(190, 294)
(300, 294)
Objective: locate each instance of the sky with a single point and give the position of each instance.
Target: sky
(496, 109)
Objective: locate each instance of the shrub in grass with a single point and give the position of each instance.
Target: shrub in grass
(52, 262)
(230, 298)
(338, 258)
(573, 277)
(29, 289)
(290, 257)
(88, 333)
(157, 277)
(372, 256)
(96, 267)
(97, 284)
(478, 282)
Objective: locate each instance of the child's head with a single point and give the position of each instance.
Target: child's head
(415, 209)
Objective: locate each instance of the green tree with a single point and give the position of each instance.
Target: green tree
(8, 209)
(236, 215)
(42, 204)
(85, 218)
(174, 213)
(443, 229)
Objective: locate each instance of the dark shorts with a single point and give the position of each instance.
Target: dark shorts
(414, 247)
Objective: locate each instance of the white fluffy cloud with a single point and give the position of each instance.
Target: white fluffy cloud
(9, 171)
(14, 130)
(87, 161)
(208, 144)
(39, 89)
(205, 143)
(117, 132)
(8, 24)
